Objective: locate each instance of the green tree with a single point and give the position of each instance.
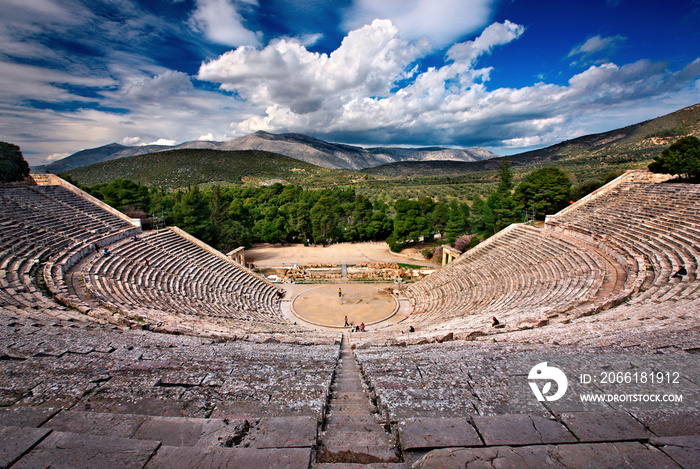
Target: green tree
(13, 166)
(191, 213)
(217, 214)
(683, 157)
(440, 217)
(323, 219)
(505, 185)
(504, 210)
(411, 222)
(545, 191)
(476, 220)
(458, 221)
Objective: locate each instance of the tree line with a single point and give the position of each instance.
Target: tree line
(227, 217)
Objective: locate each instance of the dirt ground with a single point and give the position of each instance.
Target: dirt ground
(360, 303)
(266, 255)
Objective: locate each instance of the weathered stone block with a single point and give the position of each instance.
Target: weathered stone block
(70, 450)
(685, 450)
(170, 457)
(521, 429)
(428, 433)
(15, 441)
(284, 432)
(25, 416)
(97, 423)
(604, 426)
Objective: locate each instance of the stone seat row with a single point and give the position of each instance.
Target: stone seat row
(644, 221)
(60, 204)
(185, 284)
(48, 363)
(522, 271)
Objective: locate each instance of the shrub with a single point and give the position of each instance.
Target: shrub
(683, 157)
(13, 167)
(462, 243)
(427, 253)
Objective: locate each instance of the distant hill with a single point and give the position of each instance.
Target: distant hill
(113, 151)
(301, 147)
(341, 156)
(181, 168)
(634, 143)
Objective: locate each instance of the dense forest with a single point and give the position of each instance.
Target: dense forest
(227, 217)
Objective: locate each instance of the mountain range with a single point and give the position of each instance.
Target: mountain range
(301, 147)
(636, 143)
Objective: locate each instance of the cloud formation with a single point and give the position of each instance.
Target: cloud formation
(596, 48)
(222, 23)
(285, 73)
(441, 23)
(80, 73)
(370, 86)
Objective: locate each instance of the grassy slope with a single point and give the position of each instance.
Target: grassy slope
(587, 156)
(181, 168)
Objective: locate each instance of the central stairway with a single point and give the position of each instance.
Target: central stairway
(353, 433)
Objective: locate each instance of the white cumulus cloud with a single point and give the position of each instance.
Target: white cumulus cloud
(441, 22)
(285, 73)
(370, 89)
(160, 86)
(596, 49)
(496, 34)
(161, 141)
(128, 141)
(221, 22)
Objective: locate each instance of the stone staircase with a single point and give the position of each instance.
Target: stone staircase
(354, 434)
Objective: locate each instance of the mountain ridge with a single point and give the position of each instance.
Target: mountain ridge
(298, 146)
(635, 143)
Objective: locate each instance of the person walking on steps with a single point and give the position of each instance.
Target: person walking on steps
(346, 321)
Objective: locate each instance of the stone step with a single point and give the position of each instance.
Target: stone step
(352, 435)
(342, 397)
(344, 465)
(171, 457)
(374, 436)
(16, 441)
(283, 432)
(346, 386)
(171, 431)
(61, 449)
(351, 408)
(354, 423)
(349, 452)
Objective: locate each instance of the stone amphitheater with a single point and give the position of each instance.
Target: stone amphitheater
(167, 354)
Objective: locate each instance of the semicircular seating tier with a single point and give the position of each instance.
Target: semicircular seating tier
(521, 275)
(44, 230)
(655, 226)
(622, 243)
(50, 242)
(167, 276)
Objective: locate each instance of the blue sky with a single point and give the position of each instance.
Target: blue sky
(507, 75)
